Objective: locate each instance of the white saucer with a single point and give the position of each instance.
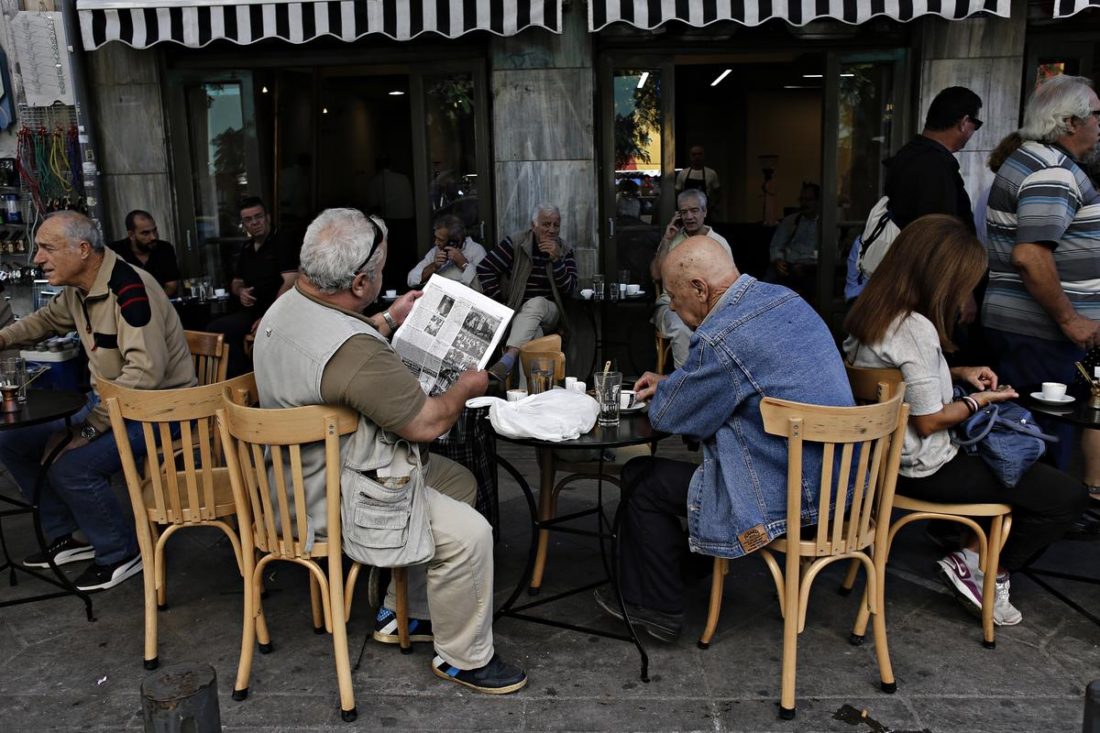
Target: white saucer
(638, 407)
(1063, 400)
(390, 298)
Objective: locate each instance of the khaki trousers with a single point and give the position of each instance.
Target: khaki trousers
(455, 588)
(535, 318)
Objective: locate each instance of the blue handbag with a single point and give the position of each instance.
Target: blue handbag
(1006, 437)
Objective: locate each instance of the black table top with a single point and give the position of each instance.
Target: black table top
(43, 405)
(633, 429)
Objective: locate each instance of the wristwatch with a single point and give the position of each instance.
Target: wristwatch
(389, 321)
(88, 432)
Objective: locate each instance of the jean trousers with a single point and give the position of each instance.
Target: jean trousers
(77, 493)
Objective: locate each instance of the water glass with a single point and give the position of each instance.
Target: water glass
(597, 287)
(542, 376)
(13, 373)
(613, 291)
(608, 386)
(624, 280)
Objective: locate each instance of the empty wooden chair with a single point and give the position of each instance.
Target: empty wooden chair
(210, 354)
(186, 485)
(273, 520)
(876, 385)
(862, 449)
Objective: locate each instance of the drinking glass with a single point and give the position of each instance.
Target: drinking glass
(608, 386)
(613, 291)
(13, 373)
(542, 376)
(597, 287)
(624, 280)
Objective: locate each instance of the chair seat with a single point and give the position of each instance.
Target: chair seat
(808, 542)
(974, 510)
(223, 500)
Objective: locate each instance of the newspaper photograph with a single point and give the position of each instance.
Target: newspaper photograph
(451, 328)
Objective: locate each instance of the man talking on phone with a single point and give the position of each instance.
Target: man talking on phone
(691, 211)
(453, 255)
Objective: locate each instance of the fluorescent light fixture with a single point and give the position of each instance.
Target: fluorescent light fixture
(813, 76)
(721, 76)
(642, 79)
(799, 86)
(397, 93)
(846, 76)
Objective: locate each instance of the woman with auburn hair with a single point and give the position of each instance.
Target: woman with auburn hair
(903, 320)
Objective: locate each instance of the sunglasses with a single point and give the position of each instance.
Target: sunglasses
(376, 239)
(976, 122)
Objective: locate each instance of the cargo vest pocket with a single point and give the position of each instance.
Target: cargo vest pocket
(382, 511)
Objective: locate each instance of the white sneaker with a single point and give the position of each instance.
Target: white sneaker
(1004, 613)
(965, 580)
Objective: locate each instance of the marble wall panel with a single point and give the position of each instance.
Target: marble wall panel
(117, 63)
(569, 184)
(976, 174)
(543, 114)
(130, 124)
(990, 36)
(996, 80)
(152, 192)
(539, 49)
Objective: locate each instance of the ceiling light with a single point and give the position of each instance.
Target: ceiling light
(642, 79)
(263, 90)
(397, 93)
(721, 76)
(846, 76)
(812, 76)
(324, 110)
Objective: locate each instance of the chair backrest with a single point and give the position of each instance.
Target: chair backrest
(210, 355)
(873, 384)
(545, 348)
(256, 439)
(856, 442)
(182, 450)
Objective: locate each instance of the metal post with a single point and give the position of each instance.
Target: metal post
(179, 698)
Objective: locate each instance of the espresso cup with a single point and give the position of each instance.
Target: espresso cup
(391, 293)
(586, 293)
(1053, 390)
(570, 383)
(515, 395)
(633, 289)
(627, 398)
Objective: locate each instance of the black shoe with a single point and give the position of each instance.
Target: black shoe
(495, 678)
(64, 550)
(102, 577)
(1086, 528)
(385, 628)
(660, 625)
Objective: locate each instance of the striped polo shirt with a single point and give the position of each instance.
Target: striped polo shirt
(1042, 195)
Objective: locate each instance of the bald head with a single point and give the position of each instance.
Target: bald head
(696, 274)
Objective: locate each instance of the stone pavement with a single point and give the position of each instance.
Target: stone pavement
(62, 673)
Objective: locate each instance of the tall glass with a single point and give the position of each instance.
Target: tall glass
(597, 287)
(608, 386)
(13, 374)
(542, 376)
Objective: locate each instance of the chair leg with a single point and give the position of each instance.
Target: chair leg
(149, 586)
(882, 648)
(660, 346)
(252, 609)
(315, 605)
(349, 588)
(335, 592)
(989, 582)
(849, 578)
(717, 581)
(790, 643)
(401, 585)
(547, 502)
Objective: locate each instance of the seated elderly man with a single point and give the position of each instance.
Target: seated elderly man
(453, 255)
(314, 347)
(751, 339)
(133, 337)
(529, 271)
(691, 211)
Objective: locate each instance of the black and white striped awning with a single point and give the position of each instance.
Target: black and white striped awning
(652, 13)
(1066, 8)
(195, 23)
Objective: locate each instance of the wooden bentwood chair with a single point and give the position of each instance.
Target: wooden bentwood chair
(273, 521)
(876, 385)
(187, 486)
(210, 355)
(862, 449)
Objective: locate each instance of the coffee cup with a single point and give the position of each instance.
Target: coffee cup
(391, 293)
(627, 398)
(633, 289)
(219, 292)
(1053, 390)
(586, 293)
(570, 382)
(515, 395)
(579, 386)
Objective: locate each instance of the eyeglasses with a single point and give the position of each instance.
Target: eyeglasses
(1095, 113)
(253, 218)
(976, 122)
(694, 211)
(376, 239)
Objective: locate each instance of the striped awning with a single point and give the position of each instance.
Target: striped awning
(1066, 8)
(195, 23)
(649, 14)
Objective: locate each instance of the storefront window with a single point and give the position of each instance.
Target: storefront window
(453, 182)
(218, 149)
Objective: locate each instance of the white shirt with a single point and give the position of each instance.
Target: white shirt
(471, 250)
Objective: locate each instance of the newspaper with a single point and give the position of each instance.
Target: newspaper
(451, 328)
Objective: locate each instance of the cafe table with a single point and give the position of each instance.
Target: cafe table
(633, 429)
(41, 406)
(1080, 414)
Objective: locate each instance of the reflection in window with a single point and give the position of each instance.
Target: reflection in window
(218, 144)
(637, 142)
(452, 152)
(866, 119)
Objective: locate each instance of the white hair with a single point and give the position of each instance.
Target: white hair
(1052, 103)
(78, 228)
(541, 209)
(335, 245)
(692, 193)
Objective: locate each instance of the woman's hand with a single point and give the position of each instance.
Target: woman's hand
(1002, 394)
(980, 377)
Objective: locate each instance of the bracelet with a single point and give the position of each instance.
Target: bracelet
(389, 321)
(971, 404)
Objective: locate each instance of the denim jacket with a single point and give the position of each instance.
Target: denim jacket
(759, 340)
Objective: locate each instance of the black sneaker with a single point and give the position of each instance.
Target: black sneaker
(64, 550)
(495, 678)
(385, 628)
(102, 577)
(660, 625)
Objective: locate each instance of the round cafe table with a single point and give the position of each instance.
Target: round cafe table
(42, 406)
(633, 429)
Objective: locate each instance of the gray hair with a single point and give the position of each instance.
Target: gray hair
(78, 228)
(694, 193)
(335, 244)
(541, 209)
(1052, 103)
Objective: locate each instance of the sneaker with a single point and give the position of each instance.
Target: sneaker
(102, 577)
(64, 550)
(385, 628)
(960, 577)
(495, 678)
(660, 625)
(1004, 613)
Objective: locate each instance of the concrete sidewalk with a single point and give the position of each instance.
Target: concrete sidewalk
(61, 672)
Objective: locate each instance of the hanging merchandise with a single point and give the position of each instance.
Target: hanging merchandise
(48, 165)
(7, 94)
